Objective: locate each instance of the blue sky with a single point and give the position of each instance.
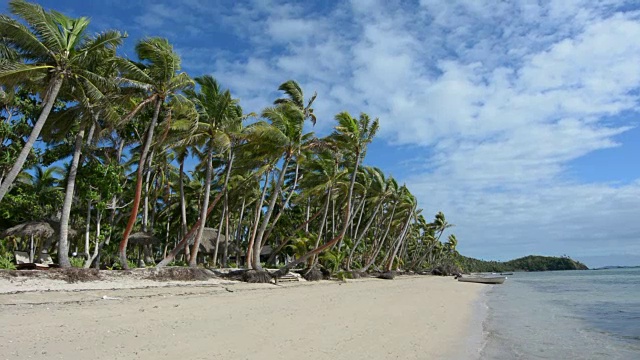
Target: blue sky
(519, 120)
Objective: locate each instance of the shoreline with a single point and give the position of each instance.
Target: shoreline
(411, 317)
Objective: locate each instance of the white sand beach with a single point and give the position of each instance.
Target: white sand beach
(421, 317)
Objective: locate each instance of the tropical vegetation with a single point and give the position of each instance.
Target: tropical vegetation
(112, 150)
(527, 263)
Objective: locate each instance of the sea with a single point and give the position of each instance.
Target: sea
(590, 314)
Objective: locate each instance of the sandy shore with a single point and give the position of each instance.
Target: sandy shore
(407, 318)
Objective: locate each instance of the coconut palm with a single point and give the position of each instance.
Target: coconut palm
(158, 75)
(45, 183)
(407, 208)
(53, 50)
(350, 136)
(85, 115)
(220, 117)
(295, 97)
(282, 138)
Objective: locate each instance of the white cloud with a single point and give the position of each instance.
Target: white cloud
(503, 94)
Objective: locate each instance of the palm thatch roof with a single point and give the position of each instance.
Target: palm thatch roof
(208, 242)
(266, 250)
(31, 228)
(142, 238)
(42, 228)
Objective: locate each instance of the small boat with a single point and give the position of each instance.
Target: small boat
(484, 279)
(509, 273)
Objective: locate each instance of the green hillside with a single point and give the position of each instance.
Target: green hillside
(527, 263)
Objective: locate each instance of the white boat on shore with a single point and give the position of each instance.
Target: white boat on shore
(483, 279)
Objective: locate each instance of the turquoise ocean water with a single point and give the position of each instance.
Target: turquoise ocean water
(591, 314)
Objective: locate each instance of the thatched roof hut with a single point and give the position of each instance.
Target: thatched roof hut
(40, 229)
(32, 228)
(266, 250)
(142, 238)
(208, 242)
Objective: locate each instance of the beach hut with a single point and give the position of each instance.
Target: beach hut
(207, 248)
(146, 242)
(34, 231)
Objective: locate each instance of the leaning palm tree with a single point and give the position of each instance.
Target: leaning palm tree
(282, 137)
(295, 97)
(219, 116)
(352, 136)
(53, 49)
(159, 76)
(85, 116)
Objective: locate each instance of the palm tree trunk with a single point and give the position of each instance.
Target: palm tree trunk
(95, 249)
(284, 206)
(364, 202)
(145, 206)
(238, 230)
(225, 208)
(333, 217)
(225, 254)
(399, 243)
(122, 249)
(257, 245)
(193, 261)
(256, 222)
(314, 258)
(384, 237)
(220, 225)
(306, 224)
(183, 205)
(364, 232)
(285, 269)
(185, 239)
(87, 231)
(63, 244)
(48, 100)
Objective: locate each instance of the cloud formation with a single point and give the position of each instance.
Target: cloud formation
(497, 98)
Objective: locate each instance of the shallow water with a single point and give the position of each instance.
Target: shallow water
(592, 314)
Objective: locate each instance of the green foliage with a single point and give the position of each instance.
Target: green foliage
(34, 197)
(344, 275)
(19, 111)
(116, 265)
(77, 262)
(6, 262)
(178, 263)
(100, 182)
(332, 260)
(527, 263)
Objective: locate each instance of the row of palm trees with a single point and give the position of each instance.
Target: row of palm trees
(134, 128)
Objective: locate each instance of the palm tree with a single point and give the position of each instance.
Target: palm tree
(380, 192)
(283, 137)
(295, 97)
(45, 183)
(159, 76)
(53, 49)
(320, 179)
(85, 115)
(352, 137)
(219, 117)
(407, 208)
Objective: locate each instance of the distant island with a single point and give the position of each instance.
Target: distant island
(527, 263)
(617, 267)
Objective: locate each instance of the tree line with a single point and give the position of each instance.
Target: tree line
(105, 147)
(527, 263)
